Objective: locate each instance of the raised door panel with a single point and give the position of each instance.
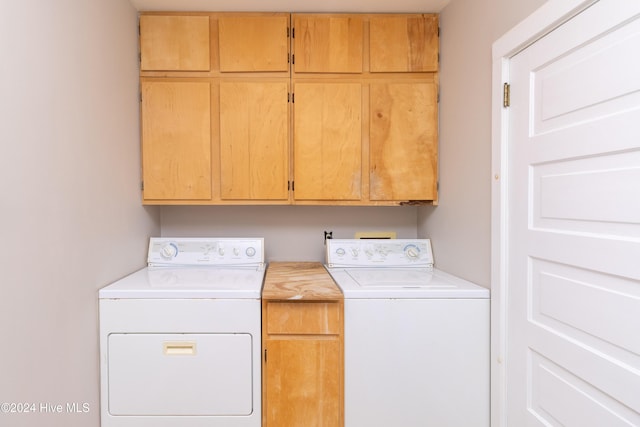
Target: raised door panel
(174, 43)
(254, 140)
(403, 43)
(328, 44)
(303, 383)
(328, 141)
(254, 43)
(176, 140)
(403, 141)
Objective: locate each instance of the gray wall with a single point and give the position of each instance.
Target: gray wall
(71, 218)
(292, 233)
(460, 227)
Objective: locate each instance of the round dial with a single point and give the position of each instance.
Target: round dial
(412, 252)
(168, 251)
(340, 251)
(251, 251)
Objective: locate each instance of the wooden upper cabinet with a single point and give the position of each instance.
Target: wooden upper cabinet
(254, 43)
(403, 141)
(176, 141)
(254, 140)
(174, 43)
(328, 43)
(403, 43)
(328, 141)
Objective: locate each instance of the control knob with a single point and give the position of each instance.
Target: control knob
(168, 251)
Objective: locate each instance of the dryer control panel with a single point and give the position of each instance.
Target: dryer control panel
(166, 251)
(379, 253)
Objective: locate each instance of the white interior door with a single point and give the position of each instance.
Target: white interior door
(572, 321)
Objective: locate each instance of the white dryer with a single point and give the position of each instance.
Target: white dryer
(416, 338)
(180, 339)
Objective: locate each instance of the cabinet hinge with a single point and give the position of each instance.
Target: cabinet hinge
(506, 95)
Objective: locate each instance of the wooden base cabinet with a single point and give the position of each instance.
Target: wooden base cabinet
(303, 347)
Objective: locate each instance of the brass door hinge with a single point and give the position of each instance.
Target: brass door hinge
(506, 95)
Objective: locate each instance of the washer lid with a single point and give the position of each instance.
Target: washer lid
(188, 283)
(403, 283)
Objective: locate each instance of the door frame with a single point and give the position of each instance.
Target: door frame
(548, 17)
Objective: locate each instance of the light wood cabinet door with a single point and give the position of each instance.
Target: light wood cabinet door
(403, 43)
(328, 141)
(254, 140)
(403, 141)
(254, 43)
(176, 140)
(328, 43)
(303, 386)
(174, 43)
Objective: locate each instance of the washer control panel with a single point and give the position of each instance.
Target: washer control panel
(165, 251)
(379, 253)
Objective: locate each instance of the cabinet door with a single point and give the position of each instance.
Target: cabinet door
(303, 383)
(404, 43)
(176, 140)
(254, 140)
(403, 141)
(174, 43)
(328, 141)
(328, 43)
(254, 43)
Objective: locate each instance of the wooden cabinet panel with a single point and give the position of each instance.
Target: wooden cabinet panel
(319, 318)
(174, 43)
(328, 141)
(252, 43)
(176, 140)
(254, 140)
(328, 43)
(403, 141)
(303, 383)
(403, 43)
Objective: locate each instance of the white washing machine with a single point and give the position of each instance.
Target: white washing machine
(180, 339)
(416, 339)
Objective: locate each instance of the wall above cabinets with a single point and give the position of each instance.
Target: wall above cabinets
(278, 108)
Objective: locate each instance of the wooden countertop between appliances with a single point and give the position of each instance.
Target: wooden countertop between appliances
(299, 281)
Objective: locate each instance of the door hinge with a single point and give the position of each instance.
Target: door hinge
(506, 95)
